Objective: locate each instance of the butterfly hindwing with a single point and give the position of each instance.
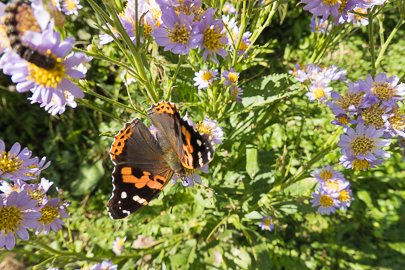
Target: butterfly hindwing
(140, 171)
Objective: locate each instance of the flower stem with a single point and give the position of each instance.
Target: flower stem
(371, 41)
(388, 41)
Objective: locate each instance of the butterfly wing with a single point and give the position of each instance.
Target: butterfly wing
(140, 171)
(192, 149)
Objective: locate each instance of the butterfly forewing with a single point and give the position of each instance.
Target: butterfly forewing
(140, 171)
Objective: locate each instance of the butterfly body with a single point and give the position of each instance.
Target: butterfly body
(145, 163)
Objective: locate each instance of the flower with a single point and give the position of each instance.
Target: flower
(18, 164)
(51, 212)
(71, 7)
(319, 93)
(386, 90)
(118, 245)
(177, 33)
(15, 219)
(350, 102)
(326, 201)
(204, 78)
(229, 8)
(326, 173)
(319, 25)
(48, 86)
(357, 19)
(211, 128)
(267, 224)
(38, 191)
(104, 265)
(231, 77)
(363, 146)
(212, 36)
(323, 8)
(236, 93)
(345, 197)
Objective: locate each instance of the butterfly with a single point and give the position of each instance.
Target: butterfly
(19, 18)
(145, 163)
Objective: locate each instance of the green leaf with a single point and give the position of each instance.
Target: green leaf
(90, 175)
(252, 165)
(254, 215)
(365, 197)
(301, 188)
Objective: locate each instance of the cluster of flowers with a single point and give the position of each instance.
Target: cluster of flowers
(25, 205)
(318, 80)
(333, 191)
(369, 112)
(351, 11)
(180, 26)
(52, 88)
(68, 7)
(371, 115)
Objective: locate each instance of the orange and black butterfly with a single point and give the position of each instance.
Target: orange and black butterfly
(18, 19)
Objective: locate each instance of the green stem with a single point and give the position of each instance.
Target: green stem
(173, 80)
(371, 41)
(388, 41)
(240, 35)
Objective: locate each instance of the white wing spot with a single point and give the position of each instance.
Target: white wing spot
(123, 195)
(199, 142)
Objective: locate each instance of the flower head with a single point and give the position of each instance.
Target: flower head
(177, 33)
(231, 77)
(53, 86)
(345, 197)
(212, 36)
(326, 201)
(267, 224)
(52, 212)
(17, 214)
(71, 7)
(229, 8)
(319, 25)
(319, 93)
(118, 245)
(212, 129)
(204, 78)
(104, 265)
(326, 173)
(323, 8)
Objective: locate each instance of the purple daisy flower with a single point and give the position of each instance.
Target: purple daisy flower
(267, 224)
(7, 188)
(326, 201)
(319, 93)
(363, 146)
(395, 123)
(386, 90)
(177, 33)
(345, 197)
(326, 173)
(204, 78)
(212, 36)
(48, 86)
(350, 102)
(118, 245)
(343, 120)
(212, 129)
(231, 77)
(323, 8)
(236, 93)
(38, 191)
(371, 3)
(17, 163)
(104, 265)
(15, 219)
(335, 185)
(356, 19)
(229, 8)
(71, 7)
(319, 25)
(51, 212)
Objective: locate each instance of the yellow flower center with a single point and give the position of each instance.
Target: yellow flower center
(343, 120)
(325, 201)
(332, 185)
(325, 175)
(212, 38)
(331, 2)
(358, 164)
(267, 222)
(233, 77)
(343, 4)
(9, 163)
(49, 213)
(319, 92)
(207, 76)
(383, 91)
(10, 219)
(360, 11)
(147, 30)
(373, 116)
(361, 145)
(70, 5)
(243, 46)
(397, 120)
(180, 34)
(47, 77)
(35, 194)
(4, 43)
(350, 99)
(344, 196)
(204, 129)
